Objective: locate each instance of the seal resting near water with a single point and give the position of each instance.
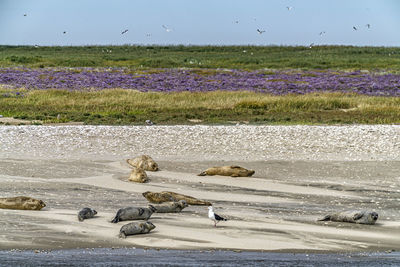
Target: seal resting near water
(138, 175)
(171, 207)
(233, 171)
(21, 203)
(166, 196)
(144, 162)
(86, 213)
(135, 228)
(133, 213)
(362, 217)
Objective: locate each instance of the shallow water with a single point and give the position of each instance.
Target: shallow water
(142, 257)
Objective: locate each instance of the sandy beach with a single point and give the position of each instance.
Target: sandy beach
(301, 174)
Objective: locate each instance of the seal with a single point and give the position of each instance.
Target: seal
(86, 213)
(21, 203)
(171, 207)
(144, 162)
(362, 217)
(233, 171)
(166, 196)
(133, 213)
(135, 228)
(138, 175)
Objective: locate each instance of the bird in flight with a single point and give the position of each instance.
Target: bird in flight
(167, 29)
(64, 32)
(354, 28)
(215, 217)
(25, 15)
(321, 33)
(368, 25)
(311, 45)
(124, 31)
(289, 8)
(260, 31)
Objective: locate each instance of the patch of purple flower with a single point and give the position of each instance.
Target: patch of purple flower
(178, 80)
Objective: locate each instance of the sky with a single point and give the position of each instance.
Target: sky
(201, 22)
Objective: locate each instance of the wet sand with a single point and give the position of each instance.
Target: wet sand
(300, 178)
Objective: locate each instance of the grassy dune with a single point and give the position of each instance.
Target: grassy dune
(128, 107)
(236, 57)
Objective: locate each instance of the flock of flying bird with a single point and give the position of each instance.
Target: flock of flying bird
(259, 31)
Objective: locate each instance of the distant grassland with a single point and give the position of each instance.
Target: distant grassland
(232, 57)
(128, 107)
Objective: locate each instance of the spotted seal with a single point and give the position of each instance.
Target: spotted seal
(171, 207)
(138, 175)
(233, 171)
(133, 213)
(21, 203)
(167, 196)
(86, 213)
(362, 217)
(135, 228)
(144, 162)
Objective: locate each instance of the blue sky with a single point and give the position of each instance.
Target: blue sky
(216, 22)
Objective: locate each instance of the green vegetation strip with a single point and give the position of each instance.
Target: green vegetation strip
(232, 57)
(128, 107)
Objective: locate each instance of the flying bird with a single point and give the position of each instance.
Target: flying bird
(236, 21)
(289, 8)
(368, 25)
(354, 28)
(125, 31)
(215, 217)
(64, 32)
(311, 45)
(167, 29)
(25, 15)
(260, 31)
(321, 33)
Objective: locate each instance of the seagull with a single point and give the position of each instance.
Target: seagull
(354, 28)
(149, 122)
(64, 32)
(368, 25)
(236, 21)
(125, 31)
(321, 33)
(148, 34)
(25, 15)
(289, 8)
(166, 28)
(215, 217)
(260, 31)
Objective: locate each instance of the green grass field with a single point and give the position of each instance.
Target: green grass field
(127, 107)
(233, 57)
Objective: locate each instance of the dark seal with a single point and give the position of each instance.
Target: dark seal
(133, 213)
(136, 228)
(86, 213)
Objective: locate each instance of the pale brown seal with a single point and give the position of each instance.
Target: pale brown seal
(21, 203)
(144, 162)
(233, 171)
(138, 175)
(362, 217)
(86, 213)
(135, 228)
(167, 196)
(133, 213)
(171, 207)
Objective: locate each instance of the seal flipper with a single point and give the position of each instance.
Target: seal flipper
(116, 218)
(122, 235)
(141, 211)
(326, 218)
(357, 216)
(202, 174)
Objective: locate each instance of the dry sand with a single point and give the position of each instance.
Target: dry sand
(302, 174)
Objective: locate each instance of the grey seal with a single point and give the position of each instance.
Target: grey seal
(362, 217)
(86, 213)
(171, 207)
(133, 213)
(144, 162)
(233, 171)
(135, 228)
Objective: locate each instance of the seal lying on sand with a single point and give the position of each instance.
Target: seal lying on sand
(363, 217)
(171, 207)
(138, 175)
(86, 213)
(233, 171)
(21, 203)
(135, 228)
(144, 162)
(133, 213)
(167, 196)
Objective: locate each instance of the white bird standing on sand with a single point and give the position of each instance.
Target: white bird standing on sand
(215, 217)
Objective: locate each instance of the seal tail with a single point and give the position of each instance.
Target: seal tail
(326, 218)
(122, 235)
(202, 174)
(116, 218)
(80, 218)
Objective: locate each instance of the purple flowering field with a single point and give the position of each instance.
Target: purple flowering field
(178, 80)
